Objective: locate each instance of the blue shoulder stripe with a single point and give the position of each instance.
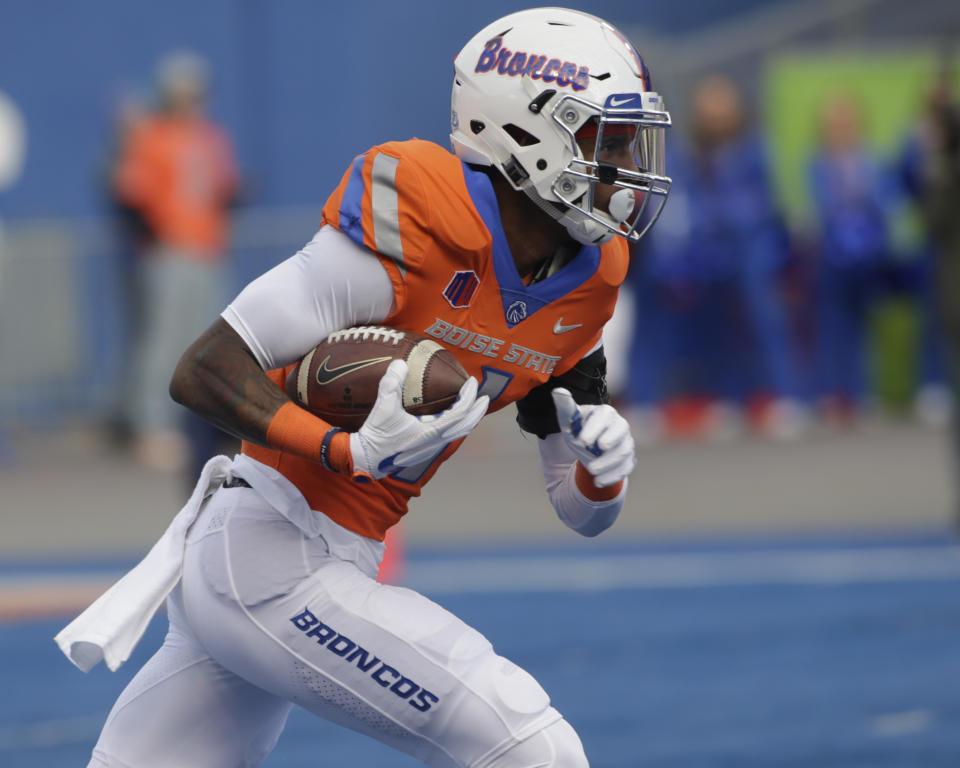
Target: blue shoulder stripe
(351, 217)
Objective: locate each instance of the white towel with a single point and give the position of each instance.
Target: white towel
(113, 625)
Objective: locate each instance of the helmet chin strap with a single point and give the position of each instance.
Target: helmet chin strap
(582, 229)
(590, 232)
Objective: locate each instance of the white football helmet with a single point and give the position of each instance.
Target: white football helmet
(529, 85)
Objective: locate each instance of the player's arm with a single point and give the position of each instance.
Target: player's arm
(219, 378)
(586, 449)
(331, 284)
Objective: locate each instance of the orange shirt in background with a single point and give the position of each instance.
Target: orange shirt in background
(181, 175)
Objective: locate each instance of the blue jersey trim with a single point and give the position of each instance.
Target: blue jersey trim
(512, 290)
(351, 204)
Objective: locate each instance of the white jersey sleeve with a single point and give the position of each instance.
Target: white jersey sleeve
(580, 514)
(331, 283)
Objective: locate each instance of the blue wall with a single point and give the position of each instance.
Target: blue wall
(302, 85)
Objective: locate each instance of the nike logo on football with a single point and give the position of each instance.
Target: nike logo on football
(615, 102)
(325, 375)
(559, 327)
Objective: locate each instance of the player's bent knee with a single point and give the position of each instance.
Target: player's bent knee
(513, 692)
(556, 746)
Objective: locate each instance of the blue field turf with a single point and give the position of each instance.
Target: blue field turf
(772, 668)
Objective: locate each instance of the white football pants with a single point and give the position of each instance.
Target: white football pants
(266, 617)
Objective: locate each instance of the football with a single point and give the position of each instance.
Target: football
(337, 380)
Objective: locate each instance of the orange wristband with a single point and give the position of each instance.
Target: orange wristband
(587, 488)
(298, 431)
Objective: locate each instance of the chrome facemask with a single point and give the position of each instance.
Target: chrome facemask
(629, 156)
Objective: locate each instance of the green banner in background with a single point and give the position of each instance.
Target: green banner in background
(890, 89)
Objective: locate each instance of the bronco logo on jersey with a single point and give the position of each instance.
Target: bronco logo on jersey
(459, 291)
(539, 67)
(516, 312)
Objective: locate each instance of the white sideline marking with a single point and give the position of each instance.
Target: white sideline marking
(596, 573)
(63, 593)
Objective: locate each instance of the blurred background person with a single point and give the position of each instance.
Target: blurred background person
(740, 242)
(177, 172)
(934, 401)
(851, 197)
(934, 179)
(132, 236)
(666, 390)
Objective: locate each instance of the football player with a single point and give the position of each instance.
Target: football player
(509, 252)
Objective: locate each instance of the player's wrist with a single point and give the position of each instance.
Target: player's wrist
(295, 430)
(588, 488)
(338, 457)
(360, 464)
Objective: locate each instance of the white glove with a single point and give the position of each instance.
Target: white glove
(598, 436)
(392, 438)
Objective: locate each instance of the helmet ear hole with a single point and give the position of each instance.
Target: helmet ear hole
(476, 126)
(522, 137)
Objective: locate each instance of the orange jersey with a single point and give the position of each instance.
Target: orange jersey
(434, 223)
(180, 175)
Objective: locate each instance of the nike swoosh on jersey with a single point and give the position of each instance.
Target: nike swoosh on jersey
(559, 327)
(325, 375)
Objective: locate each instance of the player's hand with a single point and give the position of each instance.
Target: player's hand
(392, 438)
(598, 436)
